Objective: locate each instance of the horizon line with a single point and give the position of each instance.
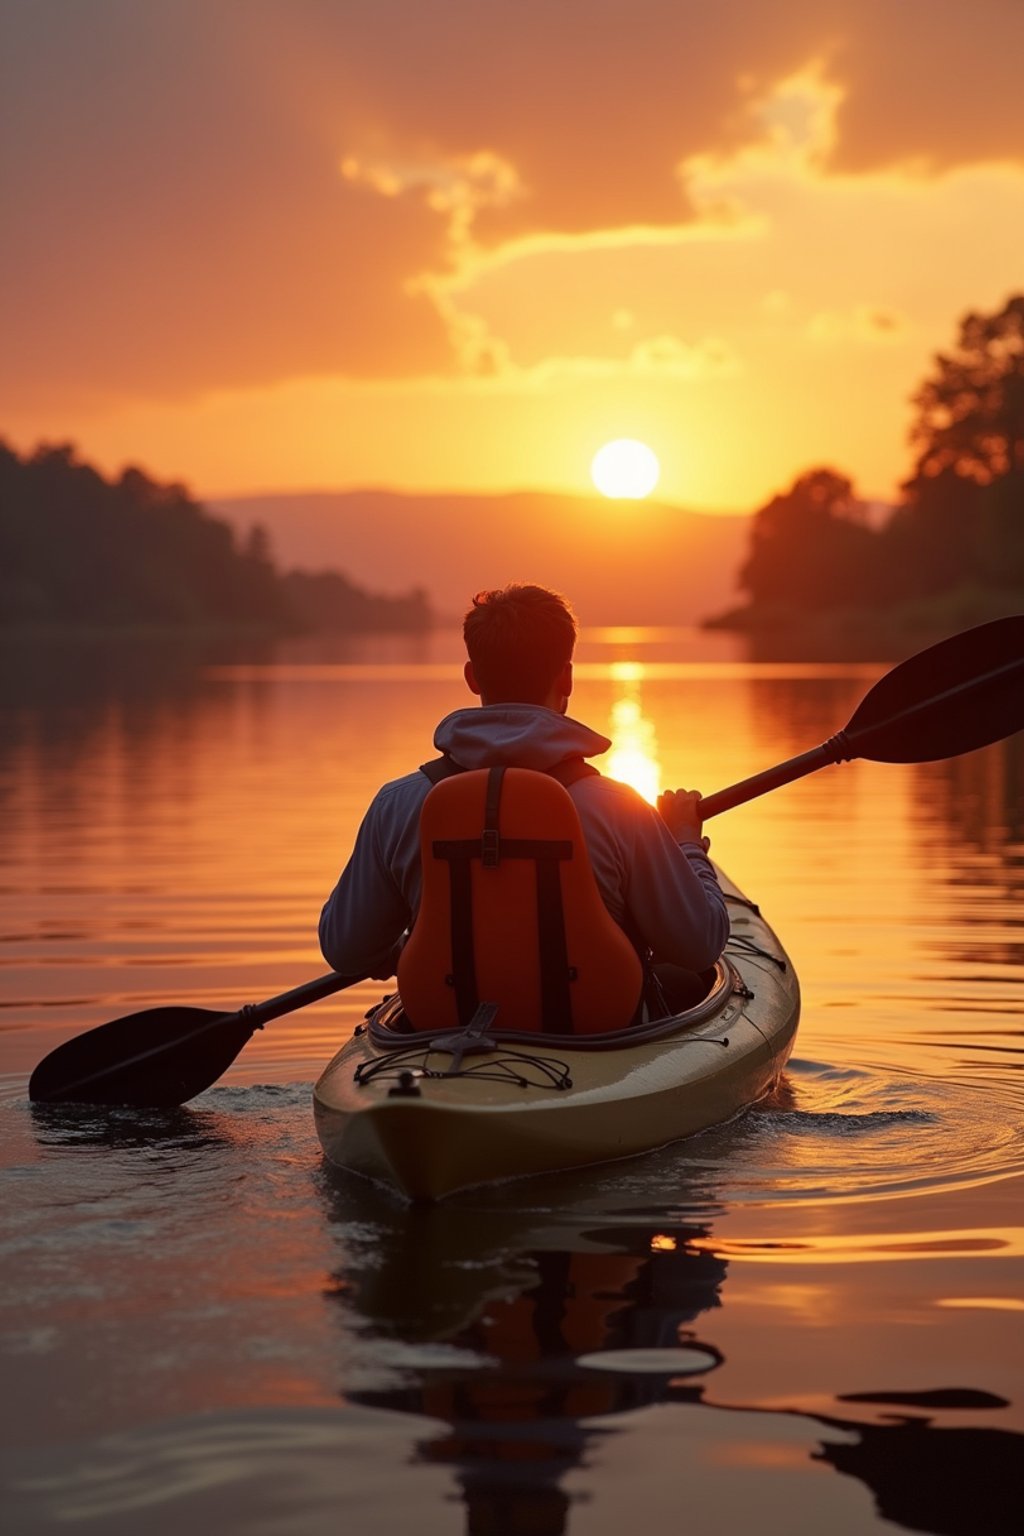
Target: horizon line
(464, 494)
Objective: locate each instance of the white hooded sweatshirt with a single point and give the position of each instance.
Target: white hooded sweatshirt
(663, 893)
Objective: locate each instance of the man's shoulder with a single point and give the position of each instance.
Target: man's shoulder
(410, 786)
(612, 800)
(394, 812)
(612, 790)
(413, 779)
(597, 786)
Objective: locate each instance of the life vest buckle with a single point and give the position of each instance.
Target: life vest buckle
(491, 850)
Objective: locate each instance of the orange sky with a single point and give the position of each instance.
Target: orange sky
(449, 244)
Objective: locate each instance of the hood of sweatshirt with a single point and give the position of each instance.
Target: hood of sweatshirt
(518, 735)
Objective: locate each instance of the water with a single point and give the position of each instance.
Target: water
(809, 1319)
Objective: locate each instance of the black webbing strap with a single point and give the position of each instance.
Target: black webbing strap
(463, 977)
(441, 768)
(555, 1001)
(552, 948)
(567, 772)
(490, 849)
(457, 848)
(491, 852)
(460, 872)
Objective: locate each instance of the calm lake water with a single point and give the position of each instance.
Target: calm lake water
(809, 1320)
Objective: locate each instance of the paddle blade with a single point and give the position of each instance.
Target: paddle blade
(954, 697)
(156, 1059)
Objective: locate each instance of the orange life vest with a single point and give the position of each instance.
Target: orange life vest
(510, 913)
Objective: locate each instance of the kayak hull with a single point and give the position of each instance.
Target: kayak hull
(429, 1136)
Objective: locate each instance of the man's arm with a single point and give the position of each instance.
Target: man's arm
(679, 809)
(673, 892)
(366, 914)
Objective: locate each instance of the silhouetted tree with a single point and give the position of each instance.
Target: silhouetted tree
(971, 411)
(810, 547)
(1002, 543)
(76, 549)
(960, 526)
(962, 521)
(330, 601)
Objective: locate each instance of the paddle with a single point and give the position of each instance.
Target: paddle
(954, 697)
(162, 1057)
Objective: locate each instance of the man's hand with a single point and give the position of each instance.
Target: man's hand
(680, 811)
(386, 967)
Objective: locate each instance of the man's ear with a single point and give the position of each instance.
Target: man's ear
(565, 680)
(470, 676)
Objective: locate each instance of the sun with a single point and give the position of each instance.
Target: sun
(625, 468)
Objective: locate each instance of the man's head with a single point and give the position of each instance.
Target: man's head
(520, 641)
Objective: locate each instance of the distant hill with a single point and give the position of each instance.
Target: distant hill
(619, 562)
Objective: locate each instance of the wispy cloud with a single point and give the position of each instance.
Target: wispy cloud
(652, 212)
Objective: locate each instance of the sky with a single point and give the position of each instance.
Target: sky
(264, 245)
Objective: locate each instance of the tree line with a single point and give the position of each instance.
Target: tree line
(957, 532)
(79, 550)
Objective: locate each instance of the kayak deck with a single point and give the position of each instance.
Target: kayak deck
(520, 1105)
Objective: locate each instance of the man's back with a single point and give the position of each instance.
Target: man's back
(664, 895)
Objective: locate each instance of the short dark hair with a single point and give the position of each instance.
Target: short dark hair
(519, 638)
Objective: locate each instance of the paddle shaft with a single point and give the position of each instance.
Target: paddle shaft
(298, 997)
(846, 745)
(772, 778)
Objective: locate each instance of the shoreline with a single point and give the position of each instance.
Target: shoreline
(879, 633)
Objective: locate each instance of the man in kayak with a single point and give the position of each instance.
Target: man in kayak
(651, 866)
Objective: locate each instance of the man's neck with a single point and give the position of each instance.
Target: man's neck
(555, 701)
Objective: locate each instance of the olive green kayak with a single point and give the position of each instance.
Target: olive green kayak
(432, 1115)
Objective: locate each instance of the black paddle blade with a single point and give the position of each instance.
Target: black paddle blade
(156, 1059)
(954, 697)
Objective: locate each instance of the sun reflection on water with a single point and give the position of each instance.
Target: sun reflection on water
(633, 758)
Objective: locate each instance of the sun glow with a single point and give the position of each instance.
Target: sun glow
(633, 758)
(625, 469)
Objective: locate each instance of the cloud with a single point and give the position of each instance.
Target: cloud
(205, 197)
(458, 190)
(929, 85)
(172, 225)
(781, 250)
(662, 358)
(863, 323)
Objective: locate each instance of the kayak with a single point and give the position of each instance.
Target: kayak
(430, 1115)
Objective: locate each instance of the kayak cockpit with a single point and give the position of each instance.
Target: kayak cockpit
(388, 1029)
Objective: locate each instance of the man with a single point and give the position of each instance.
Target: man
(651, 866)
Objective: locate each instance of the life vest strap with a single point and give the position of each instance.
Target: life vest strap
(497, 931)
(463, 974)
(491, 842)
(567, 772)
(490, 849)
(553, 949)
(508, 847)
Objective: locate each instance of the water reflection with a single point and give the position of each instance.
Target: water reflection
(527, 1334)
(121, 1128)
(633, 758)
(541, 1341)
(973, 806)
(792, 715)
(927, 1477)
(169, 834)
(968, 819)
(56, 689)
